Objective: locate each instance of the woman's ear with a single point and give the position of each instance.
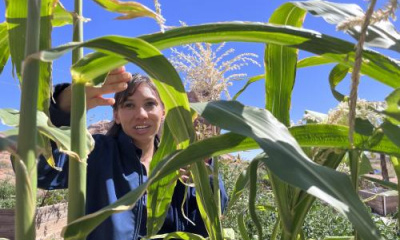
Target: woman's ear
(116, 118)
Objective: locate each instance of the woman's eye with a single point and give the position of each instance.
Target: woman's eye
(127, 105)
(151, 104)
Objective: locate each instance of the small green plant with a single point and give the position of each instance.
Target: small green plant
(49, 197)
(7, 194)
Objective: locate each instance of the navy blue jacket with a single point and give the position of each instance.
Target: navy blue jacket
(113, 170)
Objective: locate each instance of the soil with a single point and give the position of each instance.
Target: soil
(6, 171)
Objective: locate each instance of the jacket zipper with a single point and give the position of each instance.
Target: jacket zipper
(140, 210)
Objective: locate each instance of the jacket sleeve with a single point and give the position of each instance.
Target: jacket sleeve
(48, 177)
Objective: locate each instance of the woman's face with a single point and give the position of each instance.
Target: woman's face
(140, 115)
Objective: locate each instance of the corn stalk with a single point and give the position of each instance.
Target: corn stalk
(77, 166)
(26, 180)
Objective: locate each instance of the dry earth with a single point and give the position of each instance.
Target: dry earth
(6, 171)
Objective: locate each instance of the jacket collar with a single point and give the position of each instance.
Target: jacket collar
(127, 146)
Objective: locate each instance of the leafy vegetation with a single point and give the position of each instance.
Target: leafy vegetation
(284, 181)
(45, 198)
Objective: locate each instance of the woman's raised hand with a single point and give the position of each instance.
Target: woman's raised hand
(116, 81)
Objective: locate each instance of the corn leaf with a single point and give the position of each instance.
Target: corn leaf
(282, 150)
(336, 136)
(280, 75)
(250, 81)
(242, 227)
(337, 74)
(179, 235)
(306, 62)
(206, 203)
(8, 141)
(253, 167)
(267, 131)
(392, 111)
(381, 34)
(61, 16)
(195, 152)
(61, 136)
(387, 184)
(313, 61)
(376, 66)
(127, 9)
(280, 65)
(16, 21)
(242, 183)
(151, 60)
(160, 193)
(4, 46)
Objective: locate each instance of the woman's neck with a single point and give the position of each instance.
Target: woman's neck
(147, 154)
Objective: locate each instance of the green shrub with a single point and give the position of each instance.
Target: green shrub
(321, 221)
(7, 196)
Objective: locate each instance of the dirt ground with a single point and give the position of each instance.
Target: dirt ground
(6, 171)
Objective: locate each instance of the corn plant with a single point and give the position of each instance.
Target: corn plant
(296, 179)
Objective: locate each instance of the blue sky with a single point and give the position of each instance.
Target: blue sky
(311, 90)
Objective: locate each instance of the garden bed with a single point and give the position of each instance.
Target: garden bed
(382, 201)
(49, 222)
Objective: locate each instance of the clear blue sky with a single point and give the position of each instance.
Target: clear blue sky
(311, 90)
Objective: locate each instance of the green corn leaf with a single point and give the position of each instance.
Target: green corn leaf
(103, 62)
(306, 62)
(313, 61)
(4, 46)
(253, 167)
(365, 165)
(376, 66)
(128, 10)
(267, 131)
(392, 132)
(282, 150)
(178, 235)
(337, 74)
(339, 238)
(381, 34)
(280, 65)
(242, 227)
(280, 75)
(336, 136)
(8, 141)
(151, 60)
(205, 202)
(387, 184)
(16, 23)
(392, 111)
(198, 151)
(242, 183)
(61, 136)
(61, 16)
(160, 193)
(248, 83)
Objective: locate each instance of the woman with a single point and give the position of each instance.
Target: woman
(120, 160)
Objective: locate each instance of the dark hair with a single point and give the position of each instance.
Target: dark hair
(121, 97)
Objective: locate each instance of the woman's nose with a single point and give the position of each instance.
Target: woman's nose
(141, 113)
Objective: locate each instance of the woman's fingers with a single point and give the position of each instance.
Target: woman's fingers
(118, 77)
(99, 101)
(117, 70)
(184, 174)
(106, 89)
